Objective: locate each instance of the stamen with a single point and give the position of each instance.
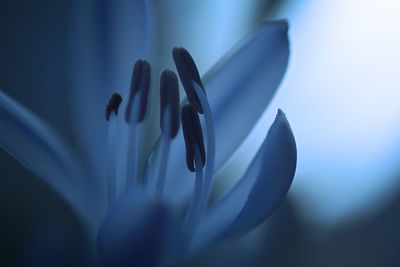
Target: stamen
(193, 136)
(196, 94)
(140, 83)
(111, 116)
(210, 134)
(188, 73)
(135, 114)
(169, 97)
(169, 122)
(113, 105)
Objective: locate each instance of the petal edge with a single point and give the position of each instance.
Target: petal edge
(239, 88)
(256, 195)
(31, 142)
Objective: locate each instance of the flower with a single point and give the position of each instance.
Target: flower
(162, 217)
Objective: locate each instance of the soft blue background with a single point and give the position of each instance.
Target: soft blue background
(341, 95)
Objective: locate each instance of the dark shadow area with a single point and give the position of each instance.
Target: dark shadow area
(374, 241)
(33, 52)
(37, 228)
(280, 241)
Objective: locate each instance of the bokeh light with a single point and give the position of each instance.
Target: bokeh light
(341, 95)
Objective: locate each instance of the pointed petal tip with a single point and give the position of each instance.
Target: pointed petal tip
(280, 119)
(281, 127)
(280, 25)
(283, 23)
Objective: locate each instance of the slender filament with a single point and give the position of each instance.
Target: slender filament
(133, 145)
(163, 159)
(210, 137)
(191, 218)
(150, 173)
(111, 169)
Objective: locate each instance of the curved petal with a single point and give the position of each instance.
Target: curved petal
(36, 146)
(107, 37)
(183, 24)
(260, 191)
(239, 88)
(136, 232)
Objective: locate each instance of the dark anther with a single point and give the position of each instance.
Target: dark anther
(140, 83)
(169, 97)
(193, 135)
(188, 73)
(113, 105)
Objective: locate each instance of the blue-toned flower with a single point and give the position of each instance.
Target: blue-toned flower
(158, 213)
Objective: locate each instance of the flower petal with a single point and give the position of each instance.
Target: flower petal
(36, 146)
(183, 24)
(260, 191)
(107, 37)
(239, 88)
(136, 232)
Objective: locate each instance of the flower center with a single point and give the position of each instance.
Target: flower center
(170, 112)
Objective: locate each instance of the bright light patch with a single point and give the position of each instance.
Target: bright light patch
(341, 96)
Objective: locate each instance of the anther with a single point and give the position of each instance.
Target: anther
(193, 135)
(113, 105)
(188, 73)
(169, 97)
(140, 83)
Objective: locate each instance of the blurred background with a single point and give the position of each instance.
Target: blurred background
(341, 95)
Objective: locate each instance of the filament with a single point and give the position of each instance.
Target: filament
(111, 169)
(210, 137)
(149, 173)
(198, 186)
(133, 145)
(163, 158)
(192, 215)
